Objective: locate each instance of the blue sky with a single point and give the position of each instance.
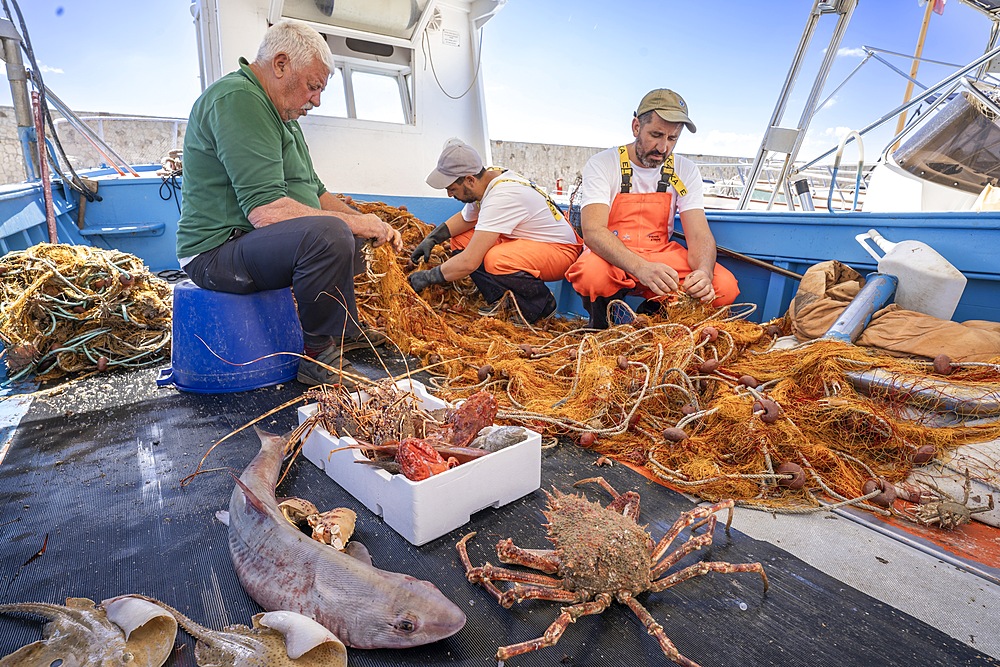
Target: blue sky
(565, 72)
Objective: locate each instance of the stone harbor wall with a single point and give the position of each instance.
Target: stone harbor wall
(147, 140)
(559, 168)
(136, 139)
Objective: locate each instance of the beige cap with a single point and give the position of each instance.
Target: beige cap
(668, 105)
(458, 159)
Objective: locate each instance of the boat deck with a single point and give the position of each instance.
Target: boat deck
(92, 474)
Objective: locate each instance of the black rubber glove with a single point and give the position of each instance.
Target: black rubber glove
(421, 280)
(423, 250)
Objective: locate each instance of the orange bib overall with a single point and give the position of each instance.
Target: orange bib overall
(643, 223)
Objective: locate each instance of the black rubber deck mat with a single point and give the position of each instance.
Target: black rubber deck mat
(97, 471)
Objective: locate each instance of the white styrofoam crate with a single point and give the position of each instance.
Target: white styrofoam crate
(425, 510)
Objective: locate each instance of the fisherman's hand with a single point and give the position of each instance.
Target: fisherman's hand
(421, 280)
(397, 241)
(381, 232)
(698, 284)
(659, 278)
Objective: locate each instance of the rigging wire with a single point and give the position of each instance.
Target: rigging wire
(36, 78)
(425, 47)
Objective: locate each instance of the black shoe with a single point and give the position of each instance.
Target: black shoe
(367, 338)
(491, 309)
(312, 373)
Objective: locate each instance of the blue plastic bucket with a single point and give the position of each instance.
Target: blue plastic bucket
(220, 340)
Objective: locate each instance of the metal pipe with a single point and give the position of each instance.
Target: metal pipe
(804, 194)
(43, 169)
(779, 108)
(99, 144)
(17, 77)
(875, 295)
(809, 110)
(952, 79)
(925, 392)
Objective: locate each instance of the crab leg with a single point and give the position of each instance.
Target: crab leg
(656, 630)
(471, 573)
(490, 573)
(520, 593)
(487, 573)
(624, 503)
(688, 518)
(704, 567)
(543, 560)
(555, 631)
(693, 544)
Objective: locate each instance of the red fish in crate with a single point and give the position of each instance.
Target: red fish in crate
(418, 460)
(476, 413)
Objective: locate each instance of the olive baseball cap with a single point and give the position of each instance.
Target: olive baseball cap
(458, 159)
(668, 105)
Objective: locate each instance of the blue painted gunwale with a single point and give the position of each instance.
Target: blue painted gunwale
(139, 215)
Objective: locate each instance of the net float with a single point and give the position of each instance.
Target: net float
(674, 434)
(942, 364)
(888, 492)
(798, 475)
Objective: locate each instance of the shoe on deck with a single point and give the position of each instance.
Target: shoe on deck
(367, 338)
(311, 373)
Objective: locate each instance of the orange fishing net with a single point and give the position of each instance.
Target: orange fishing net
(693, 394)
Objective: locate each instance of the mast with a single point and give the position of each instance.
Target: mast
(914, 67)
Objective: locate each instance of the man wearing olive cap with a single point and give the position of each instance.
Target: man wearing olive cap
(509, 237)
(628, 200)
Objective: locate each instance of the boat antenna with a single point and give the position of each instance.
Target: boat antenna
(36, 77)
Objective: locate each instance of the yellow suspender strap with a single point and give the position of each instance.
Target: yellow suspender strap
(626, 168)
(667, 174)
(556, 211)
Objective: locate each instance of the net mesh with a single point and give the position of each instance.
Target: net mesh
(692, 394)
(70, 308)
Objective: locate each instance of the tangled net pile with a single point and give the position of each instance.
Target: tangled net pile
(69, 308)
(692, 395)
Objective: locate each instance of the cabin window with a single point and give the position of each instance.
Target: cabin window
(373, 52)
(367, 94)
(334, 100)
(380, 96)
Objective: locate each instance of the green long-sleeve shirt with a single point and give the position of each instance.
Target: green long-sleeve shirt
(238, 154)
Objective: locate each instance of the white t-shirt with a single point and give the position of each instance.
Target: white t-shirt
(518, 211)
(602, 180)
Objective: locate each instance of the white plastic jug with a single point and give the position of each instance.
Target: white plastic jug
(928, 283)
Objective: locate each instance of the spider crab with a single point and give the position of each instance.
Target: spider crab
(601, 555)
(947, 511)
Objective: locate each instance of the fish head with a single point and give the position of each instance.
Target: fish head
(418, 613)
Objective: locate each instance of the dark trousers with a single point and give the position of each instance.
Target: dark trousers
(533, 296)
(317, 256)
(598, 309)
